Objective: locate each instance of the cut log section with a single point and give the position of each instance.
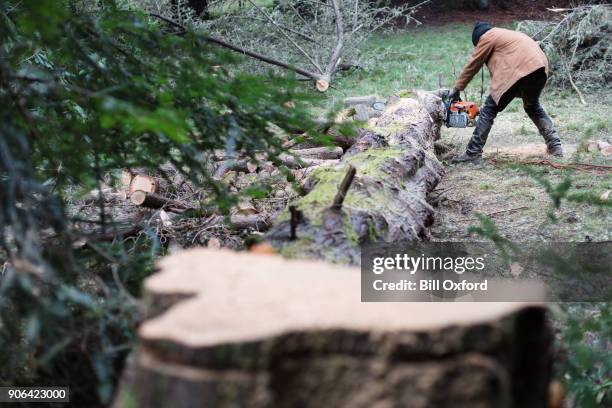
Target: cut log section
(151, 200)
(253, 330)
(324, 153)
(143, 183)
(367, 100)
(395, 169)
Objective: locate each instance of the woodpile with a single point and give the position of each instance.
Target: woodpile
(248, 330)
(165, 203)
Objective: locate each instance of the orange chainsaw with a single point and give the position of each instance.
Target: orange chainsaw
(460, 114)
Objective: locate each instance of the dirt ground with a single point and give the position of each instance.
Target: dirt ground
(517, 203)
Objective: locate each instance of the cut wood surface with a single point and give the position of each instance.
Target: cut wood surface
(143, 183)
(268, 320)
(395, 169)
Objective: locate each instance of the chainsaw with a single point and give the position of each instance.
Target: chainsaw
(460, 114)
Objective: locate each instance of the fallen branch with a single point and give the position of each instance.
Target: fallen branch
(291, 161)
(569, 75)
(242, 50)
(297, 162)
(284, 34)
(321, 153)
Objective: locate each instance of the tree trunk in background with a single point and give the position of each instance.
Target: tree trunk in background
(200, 7)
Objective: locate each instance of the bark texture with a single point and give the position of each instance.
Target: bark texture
(396, 168)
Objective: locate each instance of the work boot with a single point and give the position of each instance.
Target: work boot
(468, 158)
(555, 150)
(538, 116)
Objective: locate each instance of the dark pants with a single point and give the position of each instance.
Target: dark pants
(527, 88)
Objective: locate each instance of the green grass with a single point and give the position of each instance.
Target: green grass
(407, 59)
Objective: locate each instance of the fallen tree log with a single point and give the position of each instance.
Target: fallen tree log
(322, 153)
(252, 330)
(395, 169)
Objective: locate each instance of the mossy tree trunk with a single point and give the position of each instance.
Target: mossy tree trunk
(396, 168)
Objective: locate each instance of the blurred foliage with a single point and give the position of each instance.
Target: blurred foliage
(585, 362)
(87, 88)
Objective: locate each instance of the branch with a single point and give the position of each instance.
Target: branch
(297, 13)
(323, 83)
(263, 58)
(569, 75)
(169, 21)
(291, 30)
(244, 51)
(280, 30)
(344, 186)
(318, 3)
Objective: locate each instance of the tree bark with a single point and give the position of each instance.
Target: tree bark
(395, 169)
(155, 201)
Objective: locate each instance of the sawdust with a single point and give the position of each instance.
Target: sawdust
(525, 150)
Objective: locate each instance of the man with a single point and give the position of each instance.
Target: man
(519, 69)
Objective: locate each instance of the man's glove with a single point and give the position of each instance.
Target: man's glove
(454, 94)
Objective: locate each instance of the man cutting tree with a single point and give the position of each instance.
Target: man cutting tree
(518, 69)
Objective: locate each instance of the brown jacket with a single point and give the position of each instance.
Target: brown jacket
(509, 55)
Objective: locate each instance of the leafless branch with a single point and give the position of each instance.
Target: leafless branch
(333, 60)
(280, 30)
(242, 50)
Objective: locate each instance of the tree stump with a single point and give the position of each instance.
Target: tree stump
(250, 330)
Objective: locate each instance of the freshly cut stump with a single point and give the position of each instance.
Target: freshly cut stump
(386, 202)
(250, 330)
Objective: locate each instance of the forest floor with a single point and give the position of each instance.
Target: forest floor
(430, 58)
